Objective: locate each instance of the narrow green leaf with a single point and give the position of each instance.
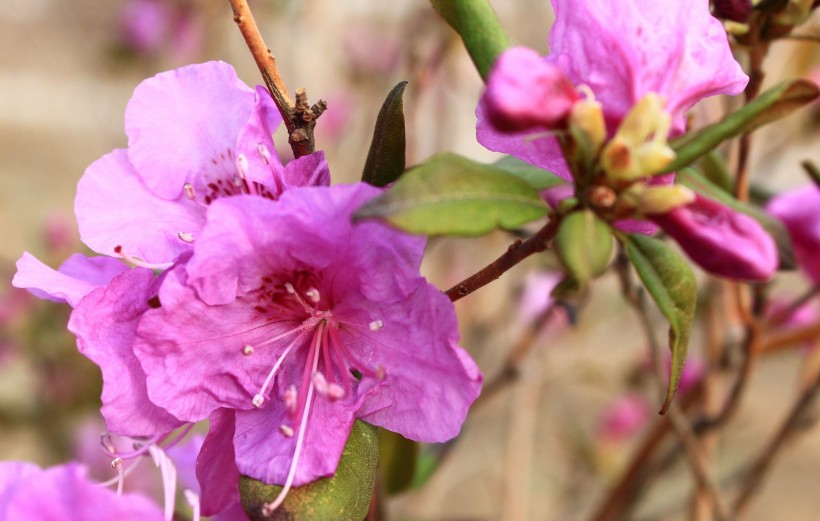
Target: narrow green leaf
(452, 195)
(479, 28)
(691, 178)
(775, 103)
(539, 178)
(716, 171)
(670, 281)
(397, 461)
(385, 159)
(343, 497)
(584, 245)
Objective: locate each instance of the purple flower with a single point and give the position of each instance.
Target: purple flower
(721, 240)
(195, 134)
(623, 51)
(300, 322)
(623, 418)
(800, 212)
(28, 493)
(73, 280)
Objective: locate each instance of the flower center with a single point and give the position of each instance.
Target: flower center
(331, 369)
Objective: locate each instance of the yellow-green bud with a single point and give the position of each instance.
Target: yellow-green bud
(587, 117)
(661, 199)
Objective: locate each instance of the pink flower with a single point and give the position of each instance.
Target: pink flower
(721, 240)
(622, 51)
(28, 493)
(800, 212)
(624, 417)
(195, 134)
(301, 322)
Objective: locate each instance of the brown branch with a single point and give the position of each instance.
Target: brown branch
(789, 337)
(764, 462)
(517, 252)
(299, 116)
(757, 51)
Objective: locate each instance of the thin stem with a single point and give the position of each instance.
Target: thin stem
(298, 115)
(517, 252)
(764, 462)
(757, 51)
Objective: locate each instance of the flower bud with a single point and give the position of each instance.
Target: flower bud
(639, 147)
(735, 10)
(587, 119)
(721, 240)
(662, 199)
(800, 212)
(523, 91)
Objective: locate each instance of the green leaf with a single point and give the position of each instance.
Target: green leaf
(385, 159)
(539, 178)
(584, 245)
(691, 178)
(716, 171)
(343, 497)
(397, 461)
(479, 28)
(670, 281)
(452, 195)
(775, 103)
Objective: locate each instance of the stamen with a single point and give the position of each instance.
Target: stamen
(259, 399)
(193, 501)
(376, 325)
(247, 349)
(186, 237)
(263, 153)
(190, 193)
(117, 464)
(300, 439)
(286, 431)
(242, 168)
(140, 263)
(331, 391)
(313, 294)
(169, 478)
(291, 398)
(308, 309)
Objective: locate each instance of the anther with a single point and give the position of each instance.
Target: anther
(331, 391)
(116, 462)
(313, 294)
(286, 431)
(247, 349)
(107, 443)
(376, 325)
(380, 373)
(289, 288)
(258, 400)
(263, 153)
(290, 398)
(186, 237)
(242, 165)
(189, 191)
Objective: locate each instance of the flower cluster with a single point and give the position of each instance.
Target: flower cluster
(254, 301)
(598, 111)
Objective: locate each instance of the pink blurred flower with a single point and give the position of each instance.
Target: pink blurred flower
(623, 418)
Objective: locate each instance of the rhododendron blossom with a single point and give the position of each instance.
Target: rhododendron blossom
(28, 493)
(301, 322)
(195, 134)
(621, 51)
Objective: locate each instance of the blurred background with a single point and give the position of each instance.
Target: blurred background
(546, 444)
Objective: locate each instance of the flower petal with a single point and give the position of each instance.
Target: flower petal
(74, 279)
(216, 469)
(105, 324)
(182, 125)
(264, 453)
(114, 208)
(625, 50)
